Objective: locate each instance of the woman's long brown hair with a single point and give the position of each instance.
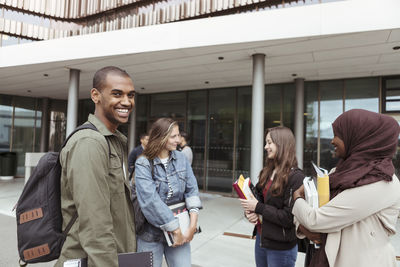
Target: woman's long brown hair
(158, 136)
(284, 160)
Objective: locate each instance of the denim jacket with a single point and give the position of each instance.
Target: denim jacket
(152, 192)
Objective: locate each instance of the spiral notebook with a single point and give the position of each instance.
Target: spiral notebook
(132, 259)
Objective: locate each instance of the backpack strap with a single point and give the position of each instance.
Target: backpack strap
(152, 171)
(81, 127)
(86, 126)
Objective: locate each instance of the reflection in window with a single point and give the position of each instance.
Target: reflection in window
(141, 106)
(331, 107)
(24, 130)
(362, 93)
(243, 149)
(196, 129)
(58, 126)
(289, 100)
(311, 126)
(273, 100)
(168, 105)
(220, 140)
(6, 110)
(391, 94)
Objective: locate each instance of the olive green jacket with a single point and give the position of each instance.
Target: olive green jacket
(93, 183)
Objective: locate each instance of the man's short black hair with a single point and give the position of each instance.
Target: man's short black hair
(100, 76)
(184, 135)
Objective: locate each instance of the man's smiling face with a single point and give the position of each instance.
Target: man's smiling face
(115, 101)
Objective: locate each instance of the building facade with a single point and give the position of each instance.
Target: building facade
(307, 79)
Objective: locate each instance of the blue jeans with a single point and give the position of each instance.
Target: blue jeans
(175, 257)
(274, 258)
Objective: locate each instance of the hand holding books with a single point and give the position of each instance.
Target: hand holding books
(178, 238)
(243, 188)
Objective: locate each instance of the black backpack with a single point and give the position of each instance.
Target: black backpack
(38, 214)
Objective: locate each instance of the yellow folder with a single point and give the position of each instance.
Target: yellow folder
(322, 185)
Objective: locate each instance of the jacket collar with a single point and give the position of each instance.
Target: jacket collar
(102, 128)
(172, 156)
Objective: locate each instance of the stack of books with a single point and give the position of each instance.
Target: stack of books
(244, 189)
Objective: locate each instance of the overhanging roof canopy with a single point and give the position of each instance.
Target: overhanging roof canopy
(344, 39)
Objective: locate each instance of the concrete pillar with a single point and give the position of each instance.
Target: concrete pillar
(257, 117)
(73, 96)
(44, 133)
(299, 121)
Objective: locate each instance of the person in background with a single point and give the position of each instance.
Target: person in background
(276, 241)
(93, 177)
(185, 148)
(137, 151)
(364, 203)
(164, 177)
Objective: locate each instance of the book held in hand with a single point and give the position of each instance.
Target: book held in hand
(182, 214)
(242, 187)
(131, 259)
(310, 192)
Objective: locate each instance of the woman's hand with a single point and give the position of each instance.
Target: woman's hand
(192, 227)
(299, 193)
(251, 216)
(315, 237)
(249, 205)
(179, 238)
(189, 234)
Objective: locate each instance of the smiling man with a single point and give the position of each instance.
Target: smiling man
(93, 179)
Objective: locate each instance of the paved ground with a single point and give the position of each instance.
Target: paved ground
(211, 248)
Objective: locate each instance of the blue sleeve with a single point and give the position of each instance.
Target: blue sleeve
(154, 209)
(192, 198)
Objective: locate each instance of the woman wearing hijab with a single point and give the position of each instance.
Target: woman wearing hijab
(365, 195)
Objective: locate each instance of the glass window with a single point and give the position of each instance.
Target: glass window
(6, 111)
(331, 107)
(142, 107)
(168, 105)
(58, 125)
(391, 94)
(24, 130)
(362, 93)
(85, 107)
(220, 140)
(196, 129)
(38, 130)
(393, 83)
(289, 100)
(273, 101)
(311, 126)
(243, 147)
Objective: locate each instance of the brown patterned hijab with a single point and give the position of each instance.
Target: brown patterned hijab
(370, 141)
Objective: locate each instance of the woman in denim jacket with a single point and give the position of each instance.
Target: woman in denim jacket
(163, 176)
